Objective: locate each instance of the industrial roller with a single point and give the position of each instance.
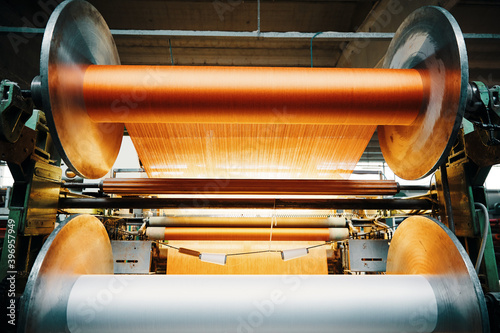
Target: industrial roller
(247, 234)
(246, 187)
(138, 186)
(417, 99)
(246, 221)
(430, 286)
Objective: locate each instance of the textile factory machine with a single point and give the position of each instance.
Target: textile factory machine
(264, 232)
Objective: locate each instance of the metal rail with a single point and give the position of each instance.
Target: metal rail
(153, 203)
(330, 35)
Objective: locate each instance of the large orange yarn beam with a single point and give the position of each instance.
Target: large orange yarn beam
(247, 234)
(138, 186)
(252, 95)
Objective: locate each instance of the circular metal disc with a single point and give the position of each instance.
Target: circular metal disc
(76, 36)
(79, 245)
(431, 41)
(425, 246)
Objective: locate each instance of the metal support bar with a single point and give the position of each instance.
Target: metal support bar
(331, 35)
(122, 170)
(258, 17)
(81, 185)
(153, 203)
(413, 187)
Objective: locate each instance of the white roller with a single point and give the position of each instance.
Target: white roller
(161, 221)
(294, 253)
(155, 233)
(214, 258)
(338, 234)
(244, 304)
(334, 221)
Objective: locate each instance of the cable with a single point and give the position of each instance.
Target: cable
(273, 221)
(171, 56)
(167, 245)
(316, 34)
(314, 246)
(486, 228)
(253, 252)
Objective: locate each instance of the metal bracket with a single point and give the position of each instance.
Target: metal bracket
(494, 95)
(15, 110)
(131, 257)
(368, 255)
(484, 94)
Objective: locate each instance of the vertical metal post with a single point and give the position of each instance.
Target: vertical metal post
(258, 16)
(447, 197)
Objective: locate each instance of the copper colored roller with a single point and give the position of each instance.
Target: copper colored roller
(195, 221)
(129, 186)
(252, 95)
(247, 234)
